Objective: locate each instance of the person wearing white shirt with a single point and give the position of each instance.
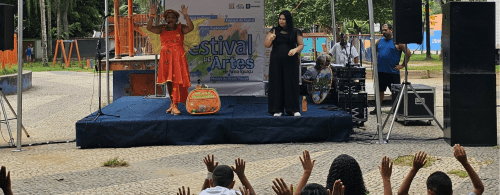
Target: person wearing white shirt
(343, 50)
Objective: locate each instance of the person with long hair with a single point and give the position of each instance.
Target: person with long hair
(173, 67)
(346, 169)
(283, 91)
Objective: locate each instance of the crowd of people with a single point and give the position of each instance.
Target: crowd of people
(344, 177)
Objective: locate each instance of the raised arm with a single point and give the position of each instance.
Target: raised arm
(269, 39)
(418, 162)
(385, 169)
(460, 155)
(308, 165)
(240, 171)
(150, 27)
(281, 188)
(211, 164)
(189, 24)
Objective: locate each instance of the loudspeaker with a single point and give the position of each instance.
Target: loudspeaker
(468, 37)
(469, 80)
(6, 27)
(407, 17)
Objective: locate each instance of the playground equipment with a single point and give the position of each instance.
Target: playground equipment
(67, 60)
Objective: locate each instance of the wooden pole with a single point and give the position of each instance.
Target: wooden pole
(130, 30)
(117, 31)
(78, 53)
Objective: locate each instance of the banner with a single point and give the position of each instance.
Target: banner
(228, 53)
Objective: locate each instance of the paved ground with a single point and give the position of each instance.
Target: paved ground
(58, 99)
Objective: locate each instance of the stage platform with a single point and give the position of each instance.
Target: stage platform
(241, 120)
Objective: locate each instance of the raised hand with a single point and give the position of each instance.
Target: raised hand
(183, 192)
(5, 183)
(240, 167)
(210, 163)
(419, 160)
(307, 164)
(460, 154)
(385, 168)
(153, 9)
(338, 188)
(244, 191)
(184, 10)
(281, 188)
(272, 36)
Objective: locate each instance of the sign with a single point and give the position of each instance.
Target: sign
(230, 55)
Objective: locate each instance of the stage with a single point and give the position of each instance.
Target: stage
(241, 120)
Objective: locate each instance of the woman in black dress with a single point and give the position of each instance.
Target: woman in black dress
(283, 91)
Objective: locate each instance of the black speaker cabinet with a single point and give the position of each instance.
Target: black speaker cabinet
(468, 37)
(6, 27)
(407, 17)
(469, 80)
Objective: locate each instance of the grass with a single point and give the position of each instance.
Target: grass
(407, 160)
(423, 57)
(38, 67)
(497, 68)
(496, 147)
(115, 163)
(459, 173)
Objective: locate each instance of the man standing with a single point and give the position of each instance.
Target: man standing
(388, 57)
(343, 50)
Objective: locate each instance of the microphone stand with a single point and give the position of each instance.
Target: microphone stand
(99, 69)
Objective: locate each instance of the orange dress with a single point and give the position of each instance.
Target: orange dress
(173, 66)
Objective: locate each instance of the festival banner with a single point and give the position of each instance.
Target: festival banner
(227, 46)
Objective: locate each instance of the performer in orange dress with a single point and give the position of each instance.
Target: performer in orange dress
(173, 67)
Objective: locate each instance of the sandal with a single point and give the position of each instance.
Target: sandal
(175, 110)
(169, 110)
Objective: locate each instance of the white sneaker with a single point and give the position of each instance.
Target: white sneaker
(278, 114)
(296, 114)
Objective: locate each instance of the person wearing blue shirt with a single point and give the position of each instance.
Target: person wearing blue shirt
(28, 54)
(388, 57)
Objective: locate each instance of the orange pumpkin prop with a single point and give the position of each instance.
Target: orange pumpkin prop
(203, 101)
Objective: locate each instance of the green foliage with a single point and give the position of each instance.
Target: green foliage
(459, 173)
(319, 12)
(497, 70)
(407, 160)
(38, 67)
(7, 71)
(115, 163)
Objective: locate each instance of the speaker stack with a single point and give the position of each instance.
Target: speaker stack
(407, 16)
(6, 27)
(469, 91)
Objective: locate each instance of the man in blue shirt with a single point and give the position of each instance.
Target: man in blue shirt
(388, 57)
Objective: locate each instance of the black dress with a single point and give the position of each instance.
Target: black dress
(283, 91)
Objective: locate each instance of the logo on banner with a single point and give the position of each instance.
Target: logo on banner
(240, 6)
(248, 6)
(231, 6)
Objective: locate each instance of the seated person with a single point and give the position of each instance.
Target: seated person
(343, 50)
(309, 76)
(222, 177)
(438, 182)
(346, 169)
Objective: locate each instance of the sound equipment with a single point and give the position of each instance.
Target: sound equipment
(407, 17)
(469, 81)
(6, 27)
(414, 110)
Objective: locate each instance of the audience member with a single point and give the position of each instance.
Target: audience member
(309, 77)
(313, 188)
(5, 184)
(223, 178)
(385, 169)
(438, 183)
(281, 188)
(346, 169)
(183, 191)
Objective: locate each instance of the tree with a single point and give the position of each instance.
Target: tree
(44, 33)
(319, 12)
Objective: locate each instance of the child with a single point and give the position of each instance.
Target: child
(438, 183)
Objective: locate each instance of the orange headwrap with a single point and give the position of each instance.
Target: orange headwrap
(170, 11)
